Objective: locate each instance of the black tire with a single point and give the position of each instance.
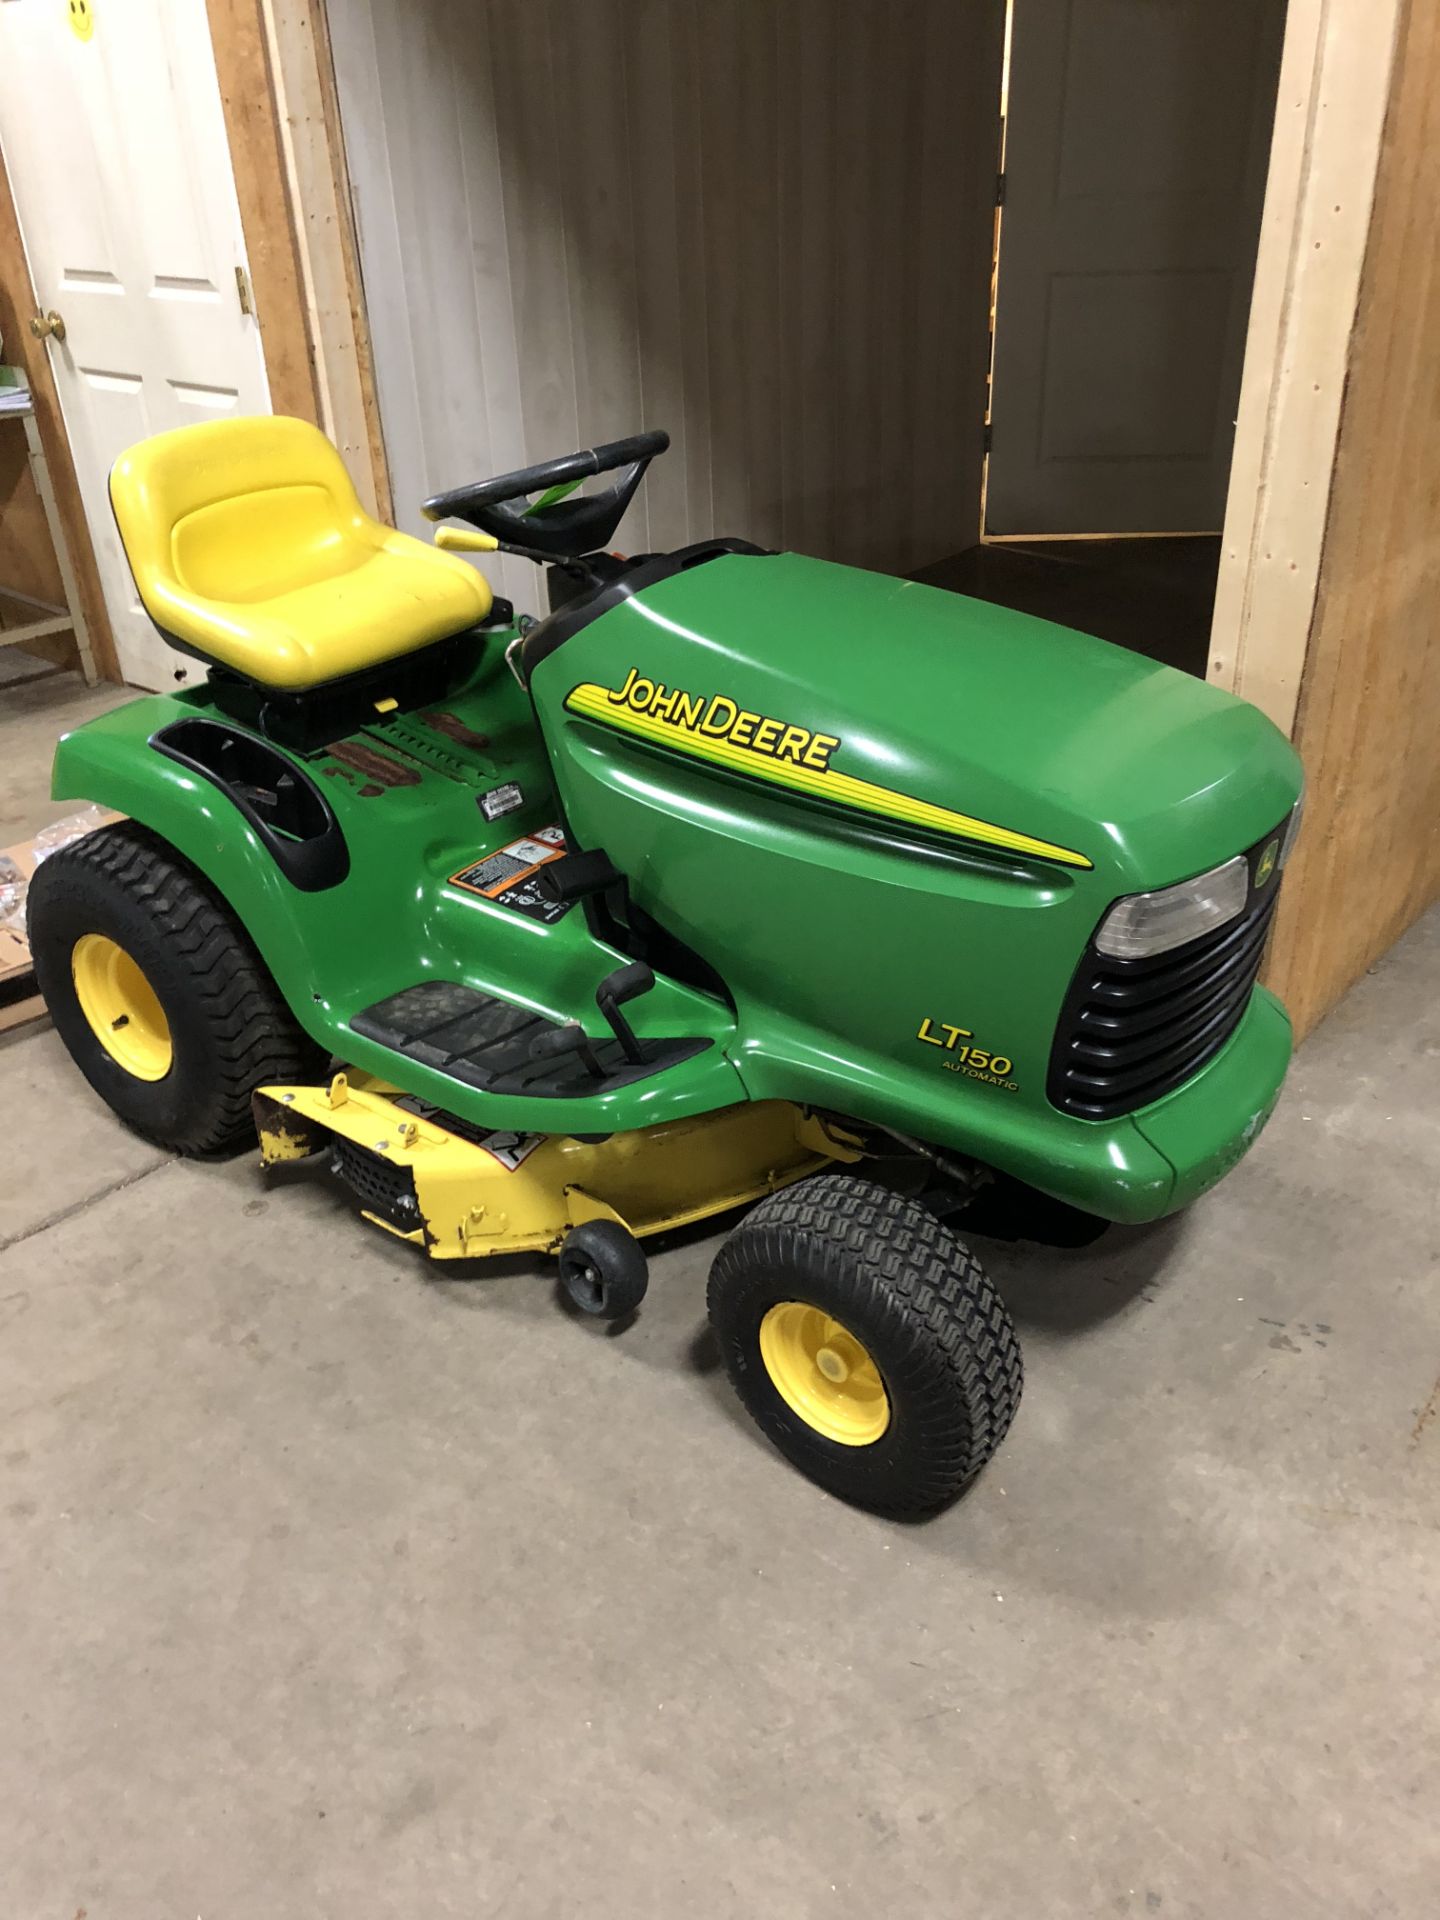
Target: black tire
(902, 1284)
(603, 1269)
(230, 1030)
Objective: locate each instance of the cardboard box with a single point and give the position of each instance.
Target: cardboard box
(19, 997)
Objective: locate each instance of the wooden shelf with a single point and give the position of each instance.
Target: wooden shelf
(46, 616)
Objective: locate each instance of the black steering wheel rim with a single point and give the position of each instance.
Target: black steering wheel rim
(566, 528)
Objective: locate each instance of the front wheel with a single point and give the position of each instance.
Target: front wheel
(867, 1343)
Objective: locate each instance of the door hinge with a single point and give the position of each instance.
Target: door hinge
(999, 189)
(242, 287)
(987, 439)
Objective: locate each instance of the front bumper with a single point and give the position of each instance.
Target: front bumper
(1208, 1126)
(1162, 1157)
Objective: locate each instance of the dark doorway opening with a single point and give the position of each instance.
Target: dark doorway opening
(1155, 596)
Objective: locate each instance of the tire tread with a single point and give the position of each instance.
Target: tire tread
(255, 1036)
(939, 1307)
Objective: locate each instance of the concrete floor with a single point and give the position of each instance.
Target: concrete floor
(335, 1586)
(37, 704)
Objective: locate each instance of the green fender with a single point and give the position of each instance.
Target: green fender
(395, 920)
(102, 765)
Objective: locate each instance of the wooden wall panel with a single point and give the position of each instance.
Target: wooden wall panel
(762, 224)
(1334, 83)
(277, 84)
(242, 65)
(1369, 725)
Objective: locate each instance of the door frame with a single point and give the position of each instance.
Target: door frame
(277, 82)
(1335, 77)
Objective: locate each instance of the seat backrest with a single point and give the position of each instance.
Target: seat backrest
(236, 510)
(250, 548)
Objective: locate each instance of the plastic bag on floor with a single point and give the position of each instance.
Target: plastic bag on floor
(12, 894)
(75, 826)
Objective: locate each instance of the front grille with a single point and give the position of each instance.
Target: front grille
(377, 1183)
(1133, 1030)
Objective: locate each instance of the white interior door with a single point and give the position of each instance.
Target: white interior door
(1137, 137)
(113, 134)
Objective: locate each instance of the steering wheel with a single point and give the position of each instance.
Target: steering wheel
(554, 527)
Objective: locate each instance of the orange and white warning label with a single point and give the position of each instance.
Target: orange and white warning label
(508, 874)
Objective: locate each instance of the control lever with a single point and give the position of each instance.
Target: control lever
(571, 1038)
(593, 878)
(626, 983)
(578, 875)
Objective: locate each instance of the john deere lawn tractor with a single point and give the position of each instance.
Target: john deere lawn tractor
(741, 879)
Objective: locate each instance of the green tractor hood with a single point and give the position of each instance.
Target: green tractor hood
(936, 712)
(890, 821)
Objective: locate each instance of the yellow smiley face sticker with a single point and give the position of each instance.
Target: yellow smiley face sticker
(81, 18)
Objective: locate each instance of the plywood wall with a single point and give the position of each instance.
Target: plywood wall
(1330, 109)
(255, 123)
(761, 224)
(1369, 720)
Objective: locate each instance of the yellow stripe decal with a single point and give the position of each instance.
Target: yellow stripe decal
(844, 789)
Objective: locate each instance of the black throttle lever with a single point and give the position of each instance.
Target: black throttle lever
(626, 983)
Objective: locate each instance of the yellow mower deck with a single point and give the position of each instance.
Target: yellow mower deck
(461, 1197)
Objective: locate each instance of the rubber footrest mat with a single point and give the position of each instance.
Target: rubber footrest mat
(485, 1042)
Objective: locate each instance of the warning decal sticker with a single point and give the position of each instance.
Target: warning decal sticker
(512, 1150)
(509, 876)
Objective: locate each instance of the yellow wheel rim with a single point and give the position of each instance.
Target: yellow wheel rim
(120, 1004)
(823, 1373)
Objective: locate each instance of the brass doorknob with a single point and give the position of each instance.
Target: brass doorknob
(50, 325)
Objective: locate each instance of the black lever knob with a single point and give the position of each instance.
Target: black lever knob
(577, 875)
(571, 1038)
(626, 983)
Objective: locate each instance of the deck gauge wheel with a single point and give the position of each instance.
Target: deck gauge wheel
(603, 1269)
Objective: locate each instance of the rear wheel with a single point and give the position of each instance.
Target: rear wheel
(867, 1343)
(155, 989)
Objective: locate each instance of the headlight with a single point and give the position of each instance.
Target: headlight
(1149, 923)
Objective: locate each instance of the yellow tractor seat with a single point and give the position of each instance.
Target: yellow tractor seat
(249, 547)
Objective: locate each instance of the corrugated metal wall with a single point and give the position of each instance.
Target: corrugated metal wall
(761, 224)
